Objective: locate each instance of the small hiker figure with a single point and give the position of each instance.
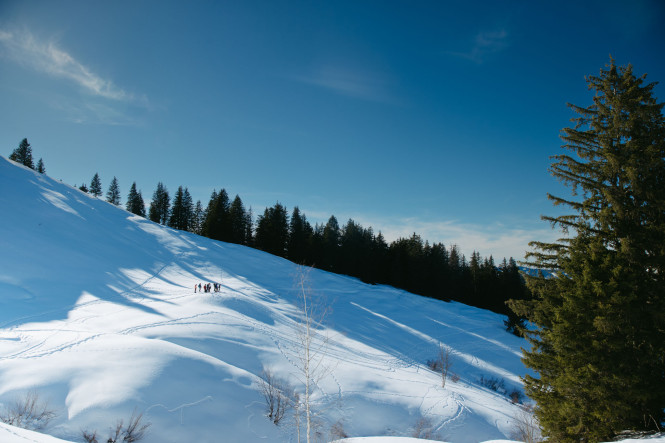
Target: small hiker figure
(194, 289)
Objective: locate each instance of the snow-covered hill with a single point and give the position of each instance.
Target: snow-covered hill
(98, 315)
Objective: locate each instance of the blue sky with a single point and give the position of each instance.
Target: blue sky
(435, 117)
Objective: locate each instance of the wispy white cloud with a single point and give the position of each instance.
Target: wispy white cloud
(45, 56)
(484, 45)
(93, 112)
(347, 81)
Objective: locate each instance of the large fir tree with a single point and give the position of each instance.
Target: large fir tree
(272, 230)
(181, 212)
(23, 154)
(599, 342)
(237, 222)
(198, 216)
(160, 206)
(96, 186)
(113, 194)
(135, 203)
(300, 237)
(331, 244)
(217, 224)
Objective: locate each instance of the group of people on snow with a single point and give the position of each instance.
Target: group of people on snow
(208, 287)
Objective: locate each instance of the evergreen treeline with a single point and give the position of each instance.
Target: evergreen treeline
(408, 263)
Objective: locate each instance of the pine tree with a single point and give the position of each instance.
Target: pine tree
(331, 244)
(237, 222)
(140, 205)
(272, 230)
(160, 205)
(249, 227)
(599, 345)
(198, 216)
(83, 188)
(300, 237)
(188, 205)
(135, 203)
(181, 211)
(96, 186)
(216, 224)
(113, 194)
(40, 167)
(23, 154)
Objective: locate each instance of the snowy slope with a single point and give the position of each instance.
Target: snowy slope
(98, 315)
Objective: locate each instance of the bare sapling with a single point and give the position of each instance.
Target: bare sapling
(134, 431)
(312, 361)
(277, 394)
(28, 412)
(446, 361)
(526, 426)
(442, 363)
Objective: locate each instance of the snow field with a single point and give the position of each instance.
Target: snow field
(98, 314)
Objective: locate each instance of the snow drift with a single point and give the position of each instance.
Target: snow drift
(98, 315)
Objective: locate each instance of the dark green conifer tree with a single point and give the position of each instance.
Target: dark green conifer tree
(331, 244)
(180, 212)
(160, 206)
(599, 344)
(237, 222)
(83, 188)
(40, 167)
(300, 237)
(140, 205)
(23, 154)
(216, 224)
(96, 186)
(249, 228)
(436, 265)
(354, 251)
(272, 230)
(113, 194)
(206, 226)
(198, 216)
(135, 203)
(473, 288)
(379, 255)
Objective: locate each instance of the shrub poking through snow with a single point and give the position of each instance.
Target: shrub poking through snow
(493, 383)
(276, 392)
(133, 432)
(441, 363)
(516, 396)
(28, 413)
(424, 429)
(526, 426)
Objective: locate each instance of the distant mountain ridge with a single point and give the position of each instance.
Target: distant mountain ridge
(534, 272)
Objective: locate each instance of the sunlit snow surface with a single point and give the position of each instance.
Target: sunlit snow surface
(98, 315)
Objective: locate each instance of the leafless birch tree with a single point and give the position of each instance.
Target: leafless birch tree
(313, 364)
